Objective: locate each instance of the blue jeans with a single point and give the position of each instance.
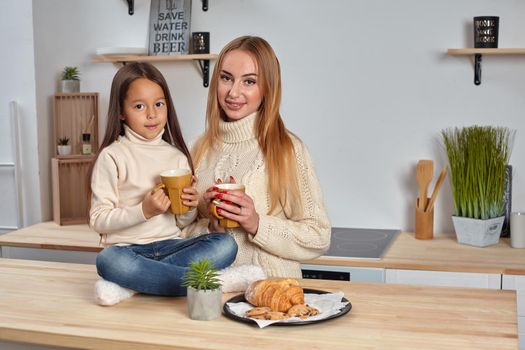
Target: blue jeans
(159, 267)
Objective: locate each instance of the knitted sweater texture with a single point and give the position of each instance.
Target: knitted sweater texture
(123, 173)
(287, 235)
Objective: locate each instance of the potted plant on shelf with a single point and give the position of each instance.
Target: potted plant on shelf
(478, 157)
(204, 290)
(70, 80)
(64, 148)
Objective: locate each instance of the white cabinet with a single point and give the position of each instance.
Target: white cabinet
(444, 278)
(517, 283)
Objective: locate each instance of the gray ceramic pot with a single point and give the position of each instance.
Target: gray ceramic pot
(204, 305)
(70, 86)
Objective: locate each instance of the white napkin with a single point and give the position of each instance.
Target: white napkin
(328, 304)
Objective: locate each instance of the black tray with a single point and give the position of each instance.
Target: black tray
(240, 298)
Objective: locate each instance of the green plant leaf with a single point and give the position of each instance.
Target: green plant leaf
(478, 157)
(70, 73)
(202, 274)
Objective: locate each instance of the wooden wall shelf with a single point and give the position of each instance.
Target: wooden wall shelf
(479, 52)
(202, 59)
(472, 51)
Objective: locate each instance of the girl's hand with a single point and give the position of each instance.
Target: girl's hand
(155, 203)
(190, 196)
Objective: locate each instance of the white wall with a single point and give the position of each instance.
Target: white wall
(18, 84)
(367, 84)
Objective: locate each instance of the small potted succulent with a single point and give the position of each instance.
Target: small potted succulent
(204, 290)
(70, 80)
(64, 148)
(478, 158)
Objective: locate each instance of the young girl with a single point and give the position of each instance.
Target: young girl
(144, 251)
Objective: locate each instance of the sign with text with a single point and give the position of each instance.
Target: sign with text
(169, 27)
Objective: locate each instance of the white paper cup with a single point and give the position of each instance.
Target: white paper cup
(517, 229)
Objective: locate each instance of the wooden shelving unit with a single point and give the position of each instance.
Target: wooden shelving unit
(478, 54)
(202, 59)
(73, 115)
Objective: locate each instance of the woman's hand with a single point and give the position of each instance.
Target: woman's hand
(238, 206)
(155, 203)
(208, 196)
(190, 196)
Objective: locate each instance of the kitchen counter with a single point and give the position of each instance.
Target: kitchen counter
(52, 303)
(442, 253)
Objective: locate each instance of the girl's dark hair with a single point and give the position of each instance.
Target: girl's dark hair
(119, 89)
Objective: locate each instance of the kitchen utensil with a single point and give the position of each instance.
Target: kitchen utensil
(424, 173)
(437, 186)
(424, 222)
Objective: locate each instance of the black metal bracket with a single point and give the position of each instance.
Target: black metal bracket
(204, 5)
(205, 70)
(131, 7)
(477, 69)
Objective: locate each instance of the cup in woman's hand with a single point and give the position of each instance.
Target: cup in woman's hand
(221, 188)
(173, 182)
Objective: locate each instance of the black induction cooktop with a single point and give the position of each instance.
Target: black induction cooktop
(362, 243)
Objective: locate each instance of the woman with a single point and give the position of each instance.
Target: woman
(282, 217)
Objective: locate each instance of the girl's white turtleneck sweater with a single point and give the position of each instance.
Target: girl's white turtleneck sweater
(123, 173)
(283, 238)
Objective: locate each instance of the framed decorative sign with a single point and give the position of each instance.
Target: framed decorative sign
(169, 27)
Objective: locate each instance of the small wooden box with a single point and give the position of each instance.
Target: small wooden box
(74, 115)
(71, 184)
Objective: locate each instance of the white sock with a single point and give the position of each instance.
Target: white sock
(109, 293)
(238, 278)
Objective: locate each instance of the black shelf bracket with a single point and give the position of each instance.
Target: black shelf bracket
(204, 5)
(477, 69)
(131, 7)
(204, 65)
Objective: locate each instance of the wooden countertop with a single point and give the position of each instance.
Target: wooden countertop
(49, 235)
(442, 253)
(52, 303)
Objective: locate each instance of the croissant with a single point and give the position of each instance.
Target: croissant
(277, 294)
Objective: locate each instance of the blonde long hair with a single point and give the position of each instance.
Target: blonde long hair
(274, 139)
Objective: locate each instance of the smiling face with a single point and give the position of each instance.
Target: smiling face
(239, 91)
(145, 110)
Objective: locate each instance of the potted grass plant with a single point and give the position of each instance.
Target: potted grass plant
(478, 157)
(204, 290)
(70, 80)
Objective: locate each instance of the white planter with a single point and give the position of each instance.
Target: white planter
(64, 150)
(70, 86)
(479, 233)
(204, 305)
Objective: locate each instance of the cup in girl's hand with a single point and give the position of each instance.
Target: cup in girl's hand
(225, 187)
(173, 182)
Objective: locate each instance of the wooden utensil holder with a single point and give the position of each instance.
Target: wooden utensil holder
(424, 222)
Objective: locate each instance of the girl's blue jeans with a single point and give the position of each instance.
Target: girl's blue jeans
(159, 267)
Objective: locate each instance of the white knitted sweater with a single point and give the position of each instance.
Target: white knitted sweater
(123, 173)
(283, 238)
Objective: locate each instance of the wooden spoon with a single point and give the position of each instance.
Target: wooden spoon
(438, 184)
(424, 174)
